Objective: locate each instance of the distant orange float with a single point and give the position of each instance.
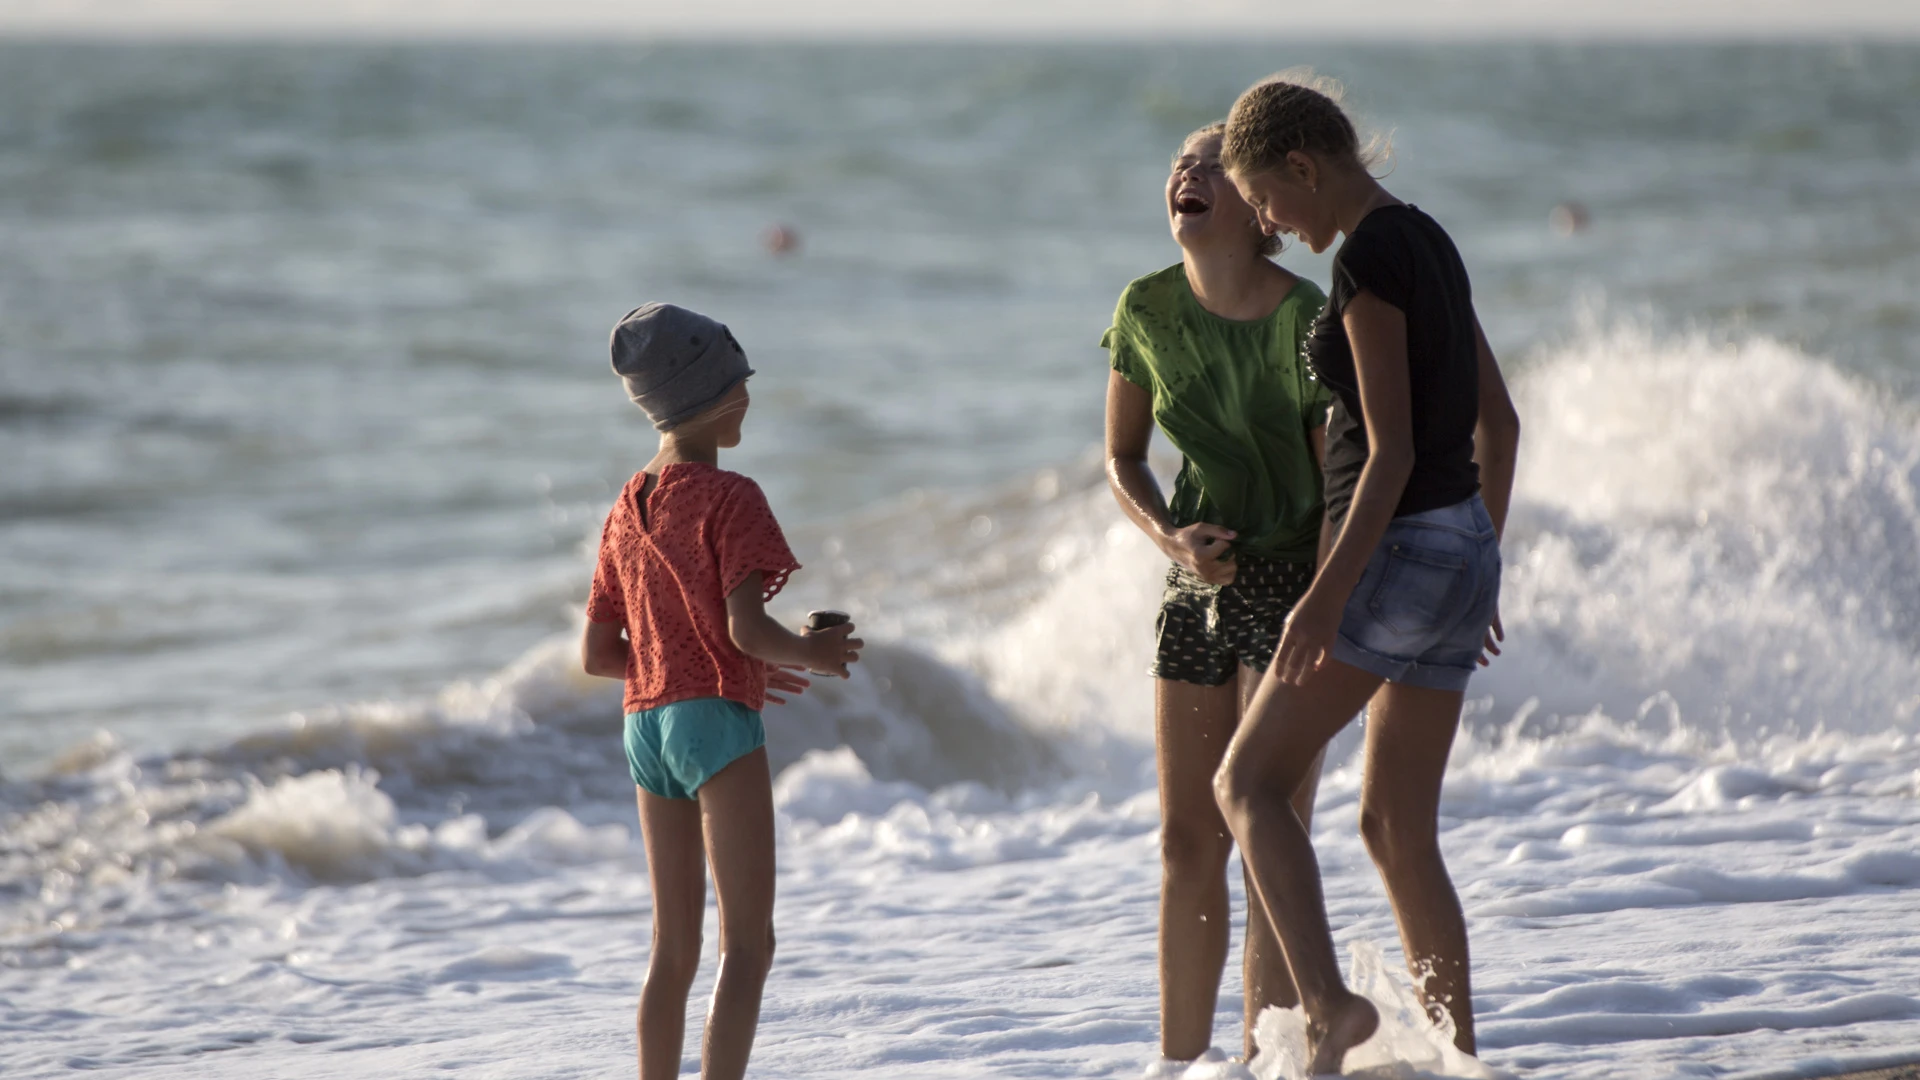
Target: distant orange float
(1569, 218)
(780, 240)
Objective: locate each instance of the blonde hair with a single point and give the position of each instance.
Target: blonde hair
(1270, 243)
(1294, 110)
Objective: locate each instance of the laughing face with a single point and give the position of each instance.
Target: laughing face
(1287, 201)
(1203, 208)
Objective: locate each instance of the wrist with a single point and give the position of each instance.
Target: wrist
(1323, 592)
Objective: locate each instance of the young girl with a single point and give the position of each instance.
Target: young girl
(1419, 466)
(689, 557)
(1209, 350)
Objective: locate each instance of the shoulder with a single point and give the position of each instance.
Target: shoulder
(730, 480)
(1306, 296)
(1416, 218)
(734, 489)
(1435, 234)
(1379, 255)
(1373, 237)
(1154, 293)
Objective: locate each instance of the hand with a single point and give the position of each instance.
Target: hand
(1495, 635)
(1203, 549)
(829, 651)
(1309, 633)
(782, 679)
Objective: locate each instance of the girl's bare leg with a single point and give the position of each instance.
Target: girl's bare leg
(736, 809)
(1410, 731)
(1279, 741)
(677, 875)
(1264, 963)
(1192, 726)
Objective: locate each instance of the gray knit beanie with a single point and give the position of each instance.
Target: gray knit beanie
(676, 363)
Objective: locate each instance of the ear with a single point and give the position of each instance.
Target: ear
(1304, 169)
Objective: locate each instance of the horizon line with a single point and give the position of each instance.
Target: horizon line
(597, 33)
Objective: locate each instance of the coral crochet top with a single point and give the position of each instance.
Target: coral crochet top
(665, 573)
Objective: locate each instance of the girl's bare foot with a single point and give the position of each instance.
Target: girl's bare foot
(1349, 1024)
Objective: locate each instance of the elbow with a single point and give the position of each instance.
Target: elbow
(1507, 421)
(602, 653)
(1124, 470)
(741, 633)
(1393, 461)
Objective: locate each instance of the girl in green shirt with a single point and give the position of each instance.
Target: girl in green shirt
(1209, 351)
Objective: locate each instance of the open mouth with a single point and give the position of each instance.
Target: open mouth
(1190, 202)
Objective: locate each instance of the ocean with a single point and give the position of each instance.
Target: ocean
(308, 434)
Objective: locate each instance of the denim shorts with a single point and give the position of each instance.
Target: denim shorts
(674, 749)
(1420, 614)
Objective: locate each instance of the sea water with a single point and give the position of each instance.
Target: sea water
(307, 437)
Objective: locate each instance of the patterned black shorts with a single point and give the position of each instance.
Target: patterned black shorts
(1205, 629)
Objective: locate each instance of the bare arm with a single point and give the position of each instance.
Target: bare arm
(1496, 438)
(603, 650)
(757, 634)
(1199, 547)
(1496, 446)
(1378, 333)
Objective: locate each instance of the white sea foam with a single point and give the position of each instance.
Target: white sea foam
(1682, 813)
(1408, 1044)
(1730, 529)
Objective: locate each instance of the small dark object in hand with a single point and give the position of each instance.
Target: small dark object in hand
(821, 620)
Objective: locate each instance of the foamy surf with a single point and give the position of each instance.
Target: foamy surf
(1726, 529)
(1681, 814)
(1408, 1045)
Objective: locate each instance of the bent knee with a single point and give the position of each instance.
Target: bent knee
(1234, 785)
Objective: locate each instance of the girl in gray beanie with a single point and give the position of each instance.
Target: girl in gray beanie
(689, 557)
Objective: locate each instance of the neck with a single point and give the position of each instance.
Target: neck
(678, 449)
(1357, 195)
(1228, 283)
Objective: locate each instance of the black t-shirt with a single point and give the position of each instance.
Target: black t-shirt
(1405, 258)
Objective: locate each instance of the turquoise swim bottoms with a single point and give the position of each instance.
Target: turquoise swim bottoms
(675, 748)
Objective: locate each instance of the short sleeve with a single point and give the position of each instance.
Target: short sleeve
(1122, 354)
(607, 602)
(1370, 261)
(747, 538)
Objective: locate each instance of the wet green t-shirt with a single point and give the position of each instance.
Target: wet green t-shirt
(1237, 401)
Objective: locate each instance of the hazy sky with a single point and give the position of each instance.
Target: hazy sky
(972, 18)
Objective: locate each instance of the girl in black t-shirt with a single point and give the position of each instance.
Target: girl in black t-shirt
(1419, 466)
